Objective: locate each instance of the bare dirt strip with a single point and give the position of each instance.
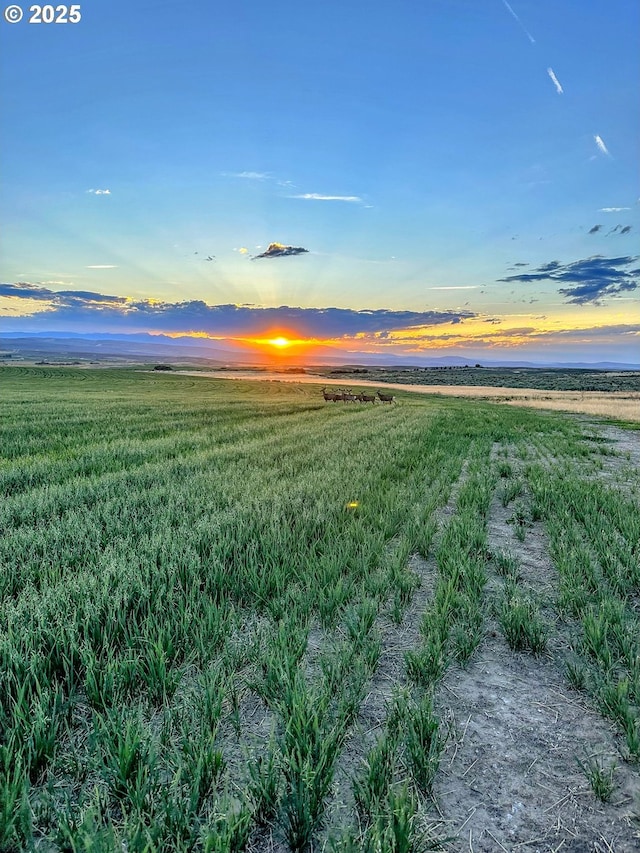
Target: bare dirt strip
(513, 780)
(624, 405)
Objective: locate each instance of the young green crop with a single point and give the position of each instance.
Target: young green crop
(594, 532)
(168, 546)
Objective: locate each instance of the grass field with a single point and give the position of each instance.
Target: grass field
(235, 617)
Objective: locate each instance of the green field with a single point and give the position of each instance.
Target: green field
(201, 579)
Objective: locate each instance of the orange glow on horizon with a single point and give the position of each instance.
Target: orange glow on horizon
(522, 331)
(281, 343)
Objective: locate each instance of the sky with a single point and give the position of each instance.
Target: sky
(449, 177)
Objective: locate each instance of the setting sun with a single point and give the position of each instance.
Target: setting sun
(280, 342)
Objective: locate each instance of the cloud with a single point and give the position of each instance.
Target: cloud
(25, 290)
(277, 250)
(613, 209)
(603, 148)
(555, 81)
(62, 298)
(319, 197)
(101, 267)
(100, 192)
(82, 296)
(248, 175)
(533, 338)
(251, 176)
(619, 228)
(87, 311)
(528, 34)
(595, 229)
(242, 250)
(591, 279)
(599, 331)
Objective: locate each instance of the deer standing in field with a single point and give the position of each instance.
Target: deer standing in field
(330, 398)
(366, 398)
(348, 397)
(386, 398)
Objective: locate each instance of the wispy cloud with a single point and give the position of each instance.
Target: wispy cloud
(613, 209)
(101, 267)
(319, 197)
(626, 229)
(251, 176)
(100, 192)
(595, 229)
(590, 280)
(514, 334)
(555, 81)
(526, 31)
(601, 146)
(278, 250)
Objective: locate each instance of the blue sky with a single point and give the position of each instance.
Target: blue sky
(418, 151)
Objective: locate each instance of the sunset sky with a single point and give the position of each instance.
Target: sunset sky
(445, 177)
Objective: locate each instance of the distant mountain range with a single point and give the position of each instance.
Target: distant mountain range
(185, 349)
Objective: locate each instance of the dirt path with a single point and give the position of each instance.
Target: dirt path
(512, 780)
(620, 455)
(625, 442)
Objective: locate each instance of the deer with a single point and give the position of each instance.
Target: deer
(348, 397)
(329, 398)
(386, 398)
(366, 398)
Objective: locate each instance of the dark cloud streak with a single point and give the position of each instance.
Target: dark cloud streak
(94, 311)
(590, 280)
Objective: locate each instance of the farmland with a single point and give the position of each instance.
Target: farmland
(587, 392)
(236, 618)
(542, 379)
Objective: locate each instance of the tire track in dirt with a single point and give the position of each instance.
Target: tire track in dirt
(511, 779)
